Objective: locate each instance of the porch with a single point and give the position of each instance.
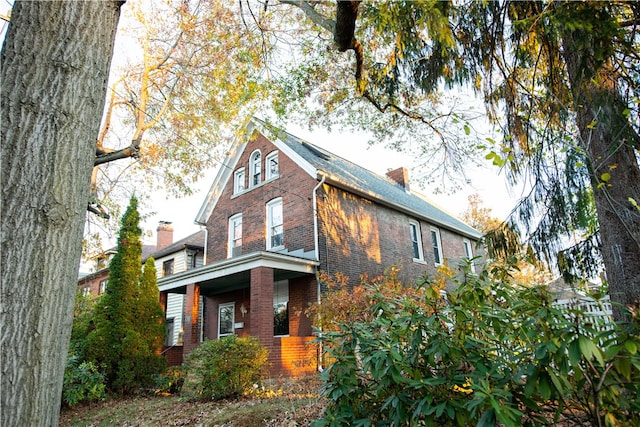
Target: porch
(262, 294)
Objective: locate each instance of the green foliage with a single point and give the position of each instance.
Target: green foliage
(495, 353)
(170, 382)
(223, 368)
(128, 319)
(82, 324)
(82, 383)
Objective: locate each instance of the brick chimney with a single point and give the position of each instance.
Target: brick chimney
(165, 235)
(400, 176)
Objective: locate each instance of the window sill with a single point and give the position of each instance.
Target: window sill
(253, 187)
(419, 261)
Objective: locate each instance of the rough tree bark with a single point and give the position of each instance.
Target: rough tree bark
(55, 64)
(609, 141)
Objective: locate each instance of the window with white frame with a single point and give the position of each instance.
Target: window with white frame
(226, 319)
(437, 245)
(86, 291)
(271, 165)
(275, 232)
(255, 168)
(468, 253)
(281, 308)
(416, 241)
(235, 236)
(238, 181)
(102, 288)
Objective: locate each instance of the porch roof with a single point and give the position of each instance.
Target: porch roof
(233, 268)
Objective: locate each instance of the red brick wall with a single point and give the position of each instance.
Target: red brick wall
(93, 281)
(173, 355)
(293, 356)
(358, 236)
(295, 187)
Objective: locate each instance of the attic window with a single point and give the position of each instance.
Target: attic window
(255, 168)
(316, 151)
(238, 181)
(271, 165)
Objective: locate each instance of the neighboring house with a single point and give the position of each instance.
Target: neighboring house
(170, 258)
(280, 210)
(95, 283)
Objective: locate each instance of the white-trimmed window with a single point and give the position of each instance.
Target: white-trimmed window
(275, 232)
(271, 165)
(238, 181)
(468, 253)
(281, 308)
(102, 287)
(437, 245)
(416, 241)
(235, 236)
(255, 168)
(226, 319)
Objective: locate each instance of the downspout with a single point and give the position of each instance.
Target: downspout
(315, 220)
(317, 251)
(203, 226)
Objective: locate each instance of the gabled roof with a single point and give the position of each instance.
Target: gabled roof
(193, 241)
(337, 171)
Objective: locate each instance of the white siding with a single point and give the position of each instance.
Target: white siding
(175, 305)
(175, 302)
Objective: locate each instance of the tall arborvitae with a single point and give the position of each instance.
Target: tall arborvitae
(150, 314)
(119, 342)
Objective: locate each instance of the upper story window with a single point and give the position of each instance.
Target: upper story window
(167, 268)
(235, 236)
(238, 181)
(468, 253)
(416, 241)
(437, 245)
(102, 288)
(275, 232)
(86, 291)
(255, 168)
(271, 165)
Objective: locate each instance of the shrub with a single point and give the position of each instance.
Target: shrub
(495, 353)
(82, 383)
(223, 368)
(170, 382)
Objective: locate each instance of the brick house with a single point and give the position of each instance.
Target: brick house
(279, 211)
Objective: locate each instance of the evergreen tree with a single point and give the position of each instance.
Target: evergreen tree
(123, 343)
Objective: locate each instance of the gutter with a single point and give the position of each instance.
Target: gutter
(203, 226)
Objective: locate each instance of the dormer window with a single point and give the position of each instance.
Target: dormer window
(238, 181)
(271, 165)
(255, 166)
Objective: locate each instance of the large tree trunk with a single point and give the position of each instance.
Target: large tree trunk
(609, 141)
(55, 63)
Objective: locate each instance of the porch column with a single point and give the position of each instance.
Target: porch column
(190, 325)
(163, 302)
(261, 305)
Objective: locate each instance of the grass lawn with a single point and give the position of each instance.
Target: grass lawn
(281, 403)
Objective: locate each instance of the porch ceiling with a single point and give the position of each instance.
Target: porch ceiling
(235, 273)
